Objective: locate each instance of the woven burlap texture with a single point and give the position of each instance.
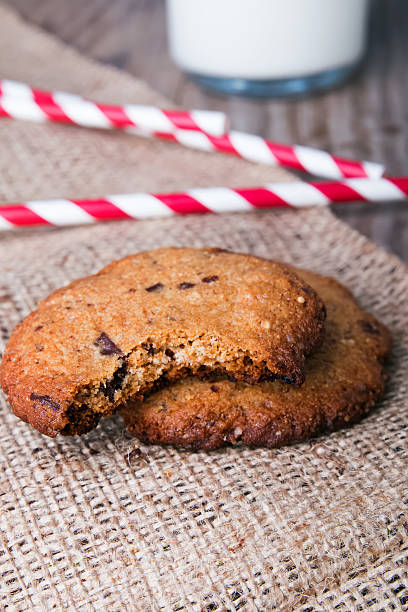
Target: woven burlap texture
(86, 525)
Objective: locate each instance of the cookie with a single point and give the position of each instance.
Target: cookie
(344, 378)
(156, 316)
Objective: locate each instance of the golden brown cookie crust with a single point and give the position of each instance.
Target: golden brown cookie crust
(159, 314)
(344, 378)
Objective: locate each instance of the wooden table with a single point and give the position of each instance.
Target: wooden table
(366, 119)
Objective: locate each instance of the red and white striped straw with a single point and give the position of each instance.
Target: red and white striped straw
(261, 150)
(20, 101)
(206, 200)
(202, 130)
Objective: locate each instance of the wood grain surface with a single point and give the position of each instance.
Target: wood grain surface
(366, 119)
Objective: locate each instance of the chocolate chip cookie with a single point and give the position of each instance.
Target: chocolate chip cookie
(154, 317)
(344, 378)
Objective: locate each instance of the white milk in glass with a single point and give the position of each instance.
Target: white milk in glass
(268, 40)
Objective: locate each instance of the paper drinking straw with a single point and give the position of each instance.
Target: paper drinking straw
(21, 101)
(206, 200)
(196, 129)
(257, 149)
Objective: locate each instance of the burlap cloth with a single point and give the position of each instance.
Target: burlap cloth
(316, 526)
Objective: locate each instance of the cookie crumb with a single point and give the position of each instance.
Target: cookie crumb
(136, 452)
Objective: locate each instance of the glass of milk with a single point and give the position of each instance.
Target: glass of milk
(267, 47)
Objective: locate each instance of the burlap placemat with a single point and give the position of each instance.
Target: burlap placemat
(86, 526)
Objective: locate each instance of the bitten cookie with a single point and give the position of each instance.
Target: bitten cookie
(344, 378)
(155, 316)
